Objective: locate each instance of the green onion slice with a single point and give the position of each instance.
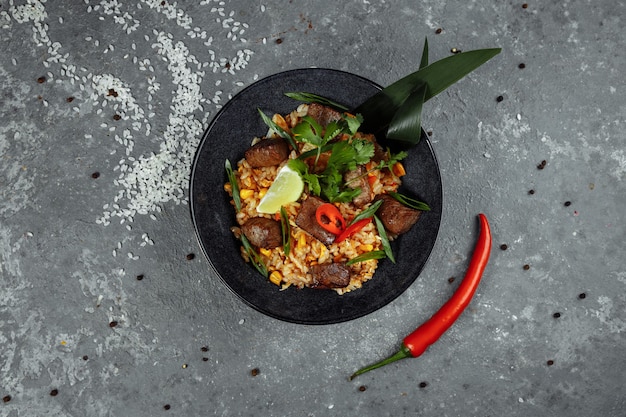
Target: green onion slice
(286, 231)
(233, 183)
(279, 130)
(314, 98)
(255, 259)
(368, 212)
(375, 254)
(384, 239)
(410, 202)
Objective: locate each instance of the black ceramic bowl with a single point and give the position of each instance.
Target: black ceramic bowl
(230, 134)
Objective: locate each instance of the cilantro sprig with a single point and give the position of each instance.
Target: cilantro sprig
(345, 154)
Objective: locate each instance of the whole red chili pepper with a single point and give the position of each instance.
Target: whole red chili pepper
(428, 333)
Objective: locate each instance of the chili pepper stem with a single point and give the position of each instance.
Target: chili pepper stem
(404, 352)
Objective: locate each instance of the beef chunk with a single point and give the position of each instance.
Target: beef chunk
(306, 220)
(358, 179)
(395, 216)
(267, 153)
(263, 232)
(323, 114)
(333, 275)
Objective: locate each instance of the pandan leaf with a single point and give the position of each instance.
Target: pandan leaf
(406, 124)
(379, 110)
(424, 61)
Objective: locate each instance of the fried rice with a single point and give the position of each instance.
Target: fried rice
(306, 251)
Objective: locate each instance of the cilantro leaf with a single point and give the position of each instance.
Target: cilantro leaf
(364, 151)
(308, 131)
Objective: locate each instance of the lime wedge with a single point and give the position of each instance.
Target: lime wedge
(286, 188)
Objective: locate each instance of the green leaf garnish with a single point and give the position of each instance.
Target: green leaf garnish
(254, 257)
(286, 230)
(314, 98)
(368, 212)
(384, 239)
(410, 202)
(424, 60)
(392, 158)
(380, 109)
(375, 254)
(233, 184)
(279, 130)
(406, 124)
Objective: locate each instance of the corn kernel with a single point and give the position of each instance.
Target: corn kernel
(276, 278)
(323, 251)
(246, 193)
(366, 247)
(301, 241)
(265, 252)
(262, 192)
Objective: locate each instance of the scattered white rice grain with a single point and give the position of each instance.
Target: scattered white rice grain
(153, 217)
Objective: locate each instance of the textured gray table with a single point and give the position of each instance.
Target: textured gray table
(104, 318)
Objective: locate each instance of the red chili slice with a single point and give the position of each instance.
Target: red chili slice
(329, 217)
(352, 229)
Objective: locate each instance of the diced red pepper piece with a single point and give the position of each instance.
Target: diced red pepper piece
(352, 229)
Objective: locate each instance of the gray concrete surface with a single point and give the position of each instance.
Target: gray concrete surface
(81, 335)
